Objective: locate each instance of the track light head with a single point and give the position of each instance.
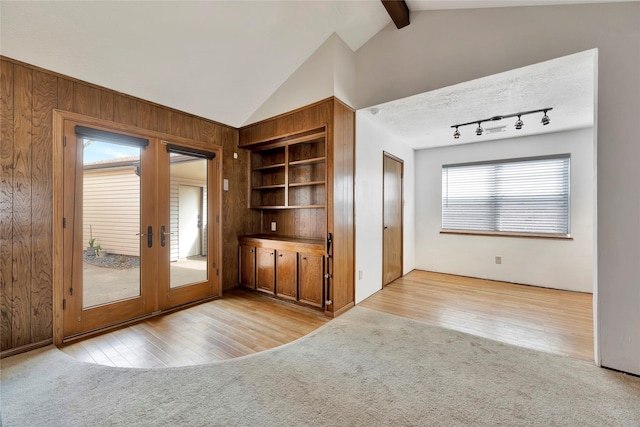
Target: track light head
(519, 123)
(479, 130)
(456, 133)
(545, 119)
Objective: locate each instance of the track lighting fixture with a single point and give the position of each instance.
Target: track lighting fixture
(519, 123)
(545, 119)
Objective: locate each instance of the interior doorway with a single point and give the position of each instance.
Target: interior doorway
(392, 172)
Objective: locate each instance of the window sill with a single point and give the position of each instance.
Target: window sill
(508, 234)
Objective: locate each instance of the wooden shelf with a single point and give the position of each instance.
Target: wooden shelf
(290, 173)
(302, 184)
(268, 187)
(276, 166)
(278, 207)
(307, 161)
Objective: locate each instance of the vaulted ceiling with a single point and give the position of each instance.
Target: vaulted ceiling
(216, 59)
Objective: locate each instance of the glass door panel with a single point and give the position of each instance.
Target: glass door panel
(110, 222)
(188, 220)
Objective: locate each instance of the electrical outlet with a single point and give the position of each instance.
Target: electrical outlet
(235, 155)
(359, 274)
(498, 260)
(273, 226)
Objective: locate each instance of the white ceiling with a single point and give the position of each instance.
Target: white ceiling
(216, 59)
(565, 84)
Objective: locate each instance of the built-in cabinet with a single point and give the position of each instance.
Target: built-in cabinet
(301, 183)
(279, 269)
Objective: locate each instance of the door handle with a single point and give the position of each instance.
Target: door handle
(149, 236)
(163, 236)
(385, 227)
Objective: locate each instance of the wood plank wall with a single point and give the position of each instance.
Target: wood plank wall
(28, 97)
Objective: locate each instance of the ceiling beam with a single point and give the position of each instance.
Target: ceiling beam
(398, 11)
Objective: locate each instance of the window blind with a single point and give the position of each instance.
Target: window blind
(517, 195)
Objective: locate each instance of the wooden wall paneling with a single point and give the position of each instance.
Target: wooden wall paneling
(28, 97)
(106, 105)
(86, 100)
(164, 120)
(208, 131)
(65, 94)
(22, 250)
(197, 129)
(6, 203)
(181, 125)
(343, 209)
(125, 110)
(146, 115)
(45, 98)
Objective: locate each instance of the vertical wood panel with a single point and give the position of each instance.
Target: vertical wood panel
(147, 115)
(181, 125)
(45, 98)
(6, 202)
(164, 120)
(106, 105)
(65, 94)
(86, 100)
(125, 110)
(22, 251)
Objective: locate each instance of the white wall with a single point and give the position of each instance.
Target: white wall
(330, 71)
(559, 264)
(441, 48)
(371, 142)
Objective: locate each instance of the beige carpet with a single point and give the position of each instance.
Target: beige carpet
(365, 368)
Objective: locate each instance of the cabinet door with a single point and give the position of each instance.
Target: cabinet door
(265, 266)
(248, 266)
(286, 269)
(311, 280)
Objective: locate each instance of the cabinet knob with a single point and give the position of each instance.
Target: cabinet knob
(280, 255)
(251, 251)
(304, 257)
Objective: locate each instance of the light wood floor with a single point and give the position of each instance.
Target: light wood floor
(549, 320)
(244, 322)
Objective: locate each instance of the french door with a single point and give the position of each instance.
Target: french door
(138, 235)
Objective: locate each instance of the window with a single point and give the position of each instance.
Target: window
(513, 196)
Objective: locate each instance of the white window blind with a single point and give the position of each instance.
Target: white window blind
(519, 195)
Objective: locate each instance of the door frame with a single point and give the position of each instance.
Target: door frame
(214, 209)
(399, 160)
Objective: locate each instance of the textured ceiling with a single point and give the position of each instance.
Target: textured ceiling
(216, 59)
(566, 84)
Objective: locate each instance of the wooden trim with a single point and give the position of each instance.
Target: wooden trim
(345, 105)
(57, 233)
(507, 234)
(288, 113)
(126, 323)
(110, 91)
(294, 244)
(340, 311)
(25, 348)
(133, 130)
(287, 139)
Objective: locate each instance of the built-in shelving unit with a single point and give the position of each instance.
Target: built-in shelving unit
(301, 182)
(290, 172)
